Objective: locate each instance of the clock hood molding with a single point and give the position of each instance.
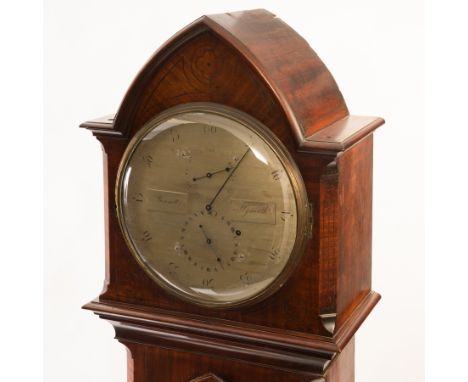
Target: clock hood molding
(215, 54)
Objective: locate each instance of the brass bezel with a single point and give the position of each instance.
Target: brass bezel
(294, 175)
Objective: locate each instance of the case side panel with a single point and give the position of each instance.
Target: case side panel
(354, 261)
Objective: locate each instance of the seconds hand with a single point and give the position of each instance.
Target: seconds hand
(210, 204)
(209, 242)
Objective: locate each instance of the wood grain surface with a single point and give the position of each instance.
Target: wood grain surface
(254, 62)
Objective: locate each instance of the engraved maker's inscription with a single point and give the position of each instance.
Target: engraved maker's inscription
(253, 211)
(167, 201)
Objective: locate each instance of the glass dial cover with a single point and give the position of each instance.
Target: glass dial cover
(211, 205)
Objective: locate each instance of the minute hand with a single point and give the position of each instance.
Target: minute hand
(210, 204)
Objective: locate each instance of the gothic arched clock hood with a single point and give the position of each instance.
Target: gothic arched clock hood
(254, 63)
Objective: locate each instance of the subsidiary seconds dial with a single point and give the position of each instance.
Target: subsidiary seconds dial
(212, 205)
(208, 232)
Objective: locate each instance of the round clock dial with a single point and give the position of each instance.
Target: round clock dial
(211, 205)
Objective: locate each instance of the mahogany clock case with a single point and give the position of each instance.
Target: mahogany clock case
(251, 61)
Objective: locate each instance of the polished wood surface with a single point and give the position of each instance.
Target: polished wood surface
(341, 134)
(355, 185)
(251, 343)
(254, 62)
(153, 363)
(157, 363)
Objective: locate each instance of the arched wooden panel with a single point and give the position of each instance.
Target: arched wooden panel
(207, 68)
(236, 59)
(231, 60)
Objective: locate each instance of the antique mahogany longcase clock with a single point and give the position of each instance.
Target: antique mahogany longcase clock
(238, 194)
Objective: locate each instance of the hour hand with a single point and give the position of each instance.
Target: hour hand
(211, 173)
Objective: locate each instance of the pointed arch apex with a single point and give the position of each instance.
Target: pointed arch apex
(250, 60)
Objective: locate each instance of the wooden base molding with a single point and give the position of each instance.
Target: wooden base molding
(251, 343)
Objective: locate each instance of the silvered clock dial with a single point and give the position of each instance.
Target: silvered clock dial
(212, 205)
